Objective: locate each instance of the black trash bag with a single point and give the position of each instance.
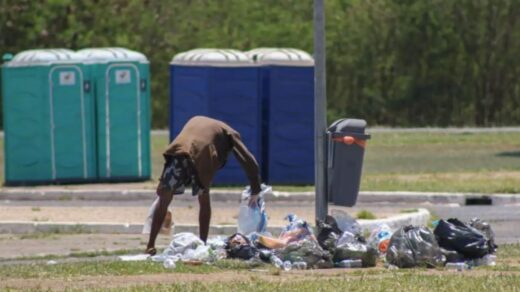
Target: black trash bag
(350, 247)
(485, 228)
(329, 233)
(239, 246)
(308, 251)
(412, 246)
(453, 234)
(452, 256)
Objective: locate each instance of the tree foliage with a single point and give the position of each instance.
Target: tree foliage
(391, 62)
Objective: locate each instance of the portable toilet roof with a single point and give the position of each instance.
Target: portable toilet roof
(44, 57)
(280, 56)
(104, 55)
(212, 57)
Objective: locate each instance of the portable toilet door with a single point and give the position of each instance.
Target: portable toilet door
(48, 118)
(288, 113)
(222, 84)
(123, 113)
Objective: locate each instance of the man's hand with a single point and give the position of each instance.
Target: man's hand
(253, 201)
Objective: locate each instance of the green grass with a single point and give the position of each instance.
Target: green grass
(365, 214)
(503, 277)
(112, 268)
(419, 161)
(391, 282)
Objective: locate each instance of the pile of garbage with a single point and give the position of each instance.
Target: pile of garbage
(339, 242)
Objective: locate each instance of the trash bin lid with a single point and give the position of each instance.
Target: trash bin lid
(44, 57)
(212, 57)
(280, 56)
(352, 127)
(103, 55)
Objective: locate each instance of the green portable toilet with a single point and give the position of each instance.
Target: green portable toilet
(121, 82)
(48, 112)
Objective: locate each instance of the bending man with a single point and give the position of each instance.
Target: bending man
(193, 158)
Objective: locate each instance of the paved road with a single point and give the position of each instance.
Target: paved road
(505, 220)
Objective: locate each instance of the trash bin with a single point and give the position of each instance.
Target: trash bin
(346, 140)
(222, 84)
(49, 126)
(121, 83)
(288, 109)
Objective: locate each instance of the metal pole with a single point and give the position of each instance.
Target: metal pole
(320, 110)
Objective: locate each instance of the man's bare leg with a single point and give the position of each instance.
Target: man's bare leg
(158, 217)
(204, 215)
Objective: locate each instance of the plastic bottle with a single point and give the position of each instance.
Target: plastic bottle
(487, 260)
(350, 264)
(299, 265)
(457, 266)
(169, 263)
(287, 266)
(276, 261)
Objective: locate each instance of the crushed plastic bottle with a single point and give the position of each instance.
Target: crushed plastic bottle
(169, 263)
(287, 266)
(380, 238)
(299, 265)
(276, 261)
(487, 260)
(457, 266)
(350, 264)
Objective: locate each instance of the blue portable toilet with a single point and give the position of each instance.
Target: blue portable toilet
(221, 84)
(288, 109)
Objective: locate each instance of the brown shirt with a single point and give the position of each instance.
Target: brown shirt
(208, 142)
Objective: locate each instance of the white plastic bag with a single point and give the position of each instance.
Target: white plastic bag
(253, 219)
(182, 242)
(166, 227)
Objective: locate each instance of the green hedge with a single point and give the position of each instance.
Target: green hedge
(391, 62)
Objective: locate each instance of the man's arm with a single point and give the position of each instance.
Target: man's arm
(248, 163)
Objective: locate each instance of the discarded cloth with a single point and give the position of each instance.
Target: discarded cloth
(414, 246)
(240, 247)
(296, 230)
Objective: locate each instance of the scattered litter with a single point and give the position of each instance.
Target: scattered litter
(379, 238)
(253, 219)
(169, 263)
(240, 247)
(460, 266)
(345, 222)
(296, 230)
(134, 258)
(414, 246)
(349, 264)
(452, 234)
(339, 243)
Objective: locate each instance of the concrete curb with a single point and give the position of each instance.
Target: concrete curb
(233, 195)
(420, 217)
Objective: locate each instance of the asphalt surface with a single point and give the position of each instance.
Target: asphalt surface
(504, 219)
